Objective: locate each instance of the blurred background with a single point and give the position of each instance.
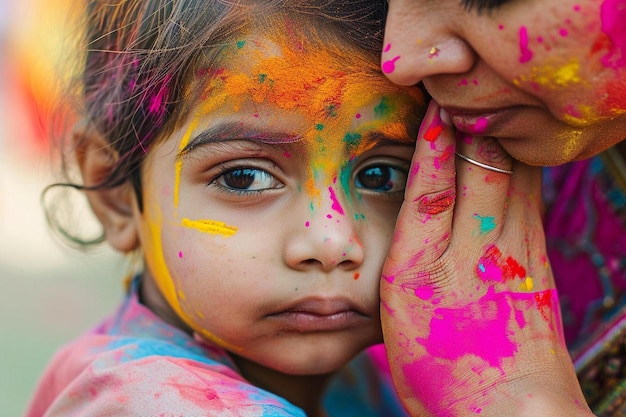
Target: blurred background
(49, 293)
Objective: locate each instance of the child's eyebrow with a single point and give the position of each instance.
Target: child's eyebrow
(223, 132)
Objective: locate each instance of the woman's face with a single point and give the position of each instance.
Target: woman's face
(268, 214)
(546, 77)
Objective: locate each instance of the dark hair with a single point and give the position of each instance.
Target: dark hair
(141, 56)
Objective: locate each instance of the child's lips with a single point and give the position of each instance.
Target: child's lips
(319, 315)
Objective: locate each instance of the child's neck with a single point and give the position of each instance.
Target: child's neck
(303, 391)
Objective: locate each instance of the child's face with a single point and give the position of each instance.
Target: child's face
(268, 215)
(546, 77)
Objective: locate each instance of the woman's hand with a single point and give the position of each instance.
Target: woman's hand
(469, 309)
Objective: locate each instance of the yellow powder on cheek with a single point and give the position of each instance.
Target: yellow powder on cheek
(563, 76)
(551, 76)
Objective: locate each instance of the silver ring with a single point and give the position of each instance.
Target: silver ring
(480, 164)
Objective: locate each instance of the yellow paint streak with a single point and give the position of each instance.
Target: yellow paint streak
(210, 226)
(179, 162)
(527, 285)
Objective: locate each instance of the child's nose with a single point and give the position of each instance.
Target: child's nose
(328, 240)
(420, 42)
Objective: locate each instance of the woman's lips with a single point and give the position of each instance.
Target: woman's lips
(319, 315)
(485, 122)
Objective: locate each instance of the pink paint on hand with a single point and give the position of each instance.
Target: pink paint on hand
(480, 329)
(425, 292)
(525, 53)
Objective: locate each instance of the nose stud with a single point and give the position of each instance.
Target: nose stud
(434, 52)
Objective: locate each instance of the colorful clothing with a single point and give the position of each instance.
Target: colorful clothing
(586, 237)
(135, 364)
(585, 224)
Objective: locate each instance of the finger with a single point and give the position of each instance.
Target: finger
(524, 207)
(425, 219)
(482, 194)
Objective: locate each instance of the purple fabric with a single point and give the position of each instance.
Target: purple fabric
(586, 240)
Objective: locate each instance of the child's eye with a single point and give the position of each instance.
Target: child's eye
(247, 179)
(381, 178)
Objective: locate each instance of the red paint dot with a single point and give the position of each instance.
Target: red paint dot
(329, 216)
(307, 224)
(356, 276)
(180, 254)
(433, 133)
(358, 115)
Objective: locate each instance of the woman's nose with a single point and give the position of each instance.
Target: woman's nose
(421, 41)
(326, 239)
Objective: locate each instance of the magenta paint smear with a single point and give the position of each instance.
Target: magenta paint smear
(479, 329)
(525, 53)
(389, 278)
(389, 66)
(425, 292)
(336, 206)
(445, 155)
(613, 16)
(430, 394)
(481, 125)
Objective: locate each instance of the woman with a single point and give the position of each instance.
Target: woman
(547, 80)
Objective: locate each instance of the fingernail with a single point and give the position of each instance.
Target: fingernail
(445, 116)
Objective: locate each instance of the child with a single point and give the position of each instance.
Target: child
(257, 157)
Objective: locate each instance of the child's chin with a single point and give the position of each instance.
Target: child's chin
(318, 364)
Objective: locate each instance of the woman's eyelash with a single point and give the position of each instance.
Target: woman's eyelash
(480, 5)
